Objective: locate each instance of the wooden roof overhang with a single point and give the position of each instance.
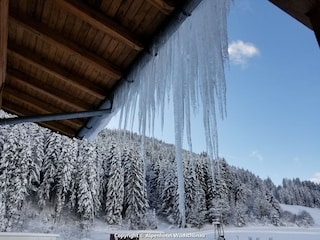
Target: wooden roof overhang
(305, 11)
(67, 56)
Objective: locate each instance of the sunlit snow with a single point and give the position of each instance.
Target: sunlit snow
(101, 231)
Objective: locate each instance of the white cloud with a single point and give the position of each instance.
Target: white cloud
(256, 155)
(240, 52)
(316, 178)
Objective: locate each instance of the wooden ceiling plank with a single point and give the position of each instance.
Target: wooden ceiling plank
(16, 109)
(101, 22)
(56, 71)
(4, 8)
(162, 5)
(54, 38)
(40, 105)
(113, 7)
(104, 6)
(123, 11)
(48, 91)
(132, 13)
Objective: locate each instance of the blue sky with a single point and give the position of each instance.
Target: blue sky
(273, 96)
(273, 120)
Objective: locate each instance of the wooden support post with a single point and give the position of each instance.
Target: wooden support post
(4, 6)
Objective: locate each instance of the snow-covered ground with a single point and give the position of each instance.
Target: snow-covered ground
(68, 228)
(231, 233)
(272, 233)
(314, 212)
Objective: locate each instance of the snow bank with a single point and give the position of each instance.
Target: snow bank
(295, 209)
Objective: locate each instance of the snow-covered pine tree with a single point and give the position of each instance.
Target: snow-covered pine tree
(88, 203)
(221, 191)
(3, 219)
(258, 205)
(65, 171)
(306, 193)
(34, 141)
(166, 161)
(239, 192)
(52, 151)
(105, 152)
(203, 173)
(5, 169)
(4, 131)
(153, 178)
(115, 189)
(169, 207)
(14, 170)
(103, 167)
(190, 187)
(274, 206)
(194, 194)
(135, 202)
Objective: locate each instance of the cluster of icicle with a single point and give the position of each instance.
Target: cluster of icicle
(189, 70)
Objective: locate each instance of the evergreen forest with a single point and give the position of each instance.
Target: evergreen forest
(118, 180)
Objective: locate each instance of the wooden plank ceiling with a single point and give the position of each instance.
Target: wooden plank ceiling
(60, 56)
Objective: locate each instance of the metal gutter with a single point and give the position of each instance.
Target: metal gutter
(54, 117)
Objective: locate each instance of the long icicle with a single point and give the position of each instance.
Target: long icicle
(189, 67)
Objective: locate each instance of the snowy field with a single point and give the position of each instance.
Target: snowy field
(272, 233)
(246, 233)
(68, 229)
(231, 233)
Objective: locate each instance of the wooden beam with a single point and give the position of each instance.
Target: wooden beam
(54, 38)
(40, 106)
(162, 5)
(16, 109)
(101, 22)
(56, 71)
(49, 91)
(4, 6)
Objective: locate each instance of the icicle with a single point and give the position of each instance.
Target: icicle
(190, 66)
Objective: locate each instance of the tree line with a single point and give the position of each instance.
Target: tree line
(112, 179)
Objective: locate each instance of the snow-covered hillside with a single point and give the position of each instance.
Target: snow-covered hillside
(296, 209)
(78, 189)
(279, 233)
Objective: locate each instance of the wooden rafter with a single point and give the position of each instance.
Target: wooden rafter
(67, 56)
(49, 91)
(4, 6)
(54, 38)
(164, 6)
(56, 71)
(101, 22)
(41, 106)
(17, 110)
